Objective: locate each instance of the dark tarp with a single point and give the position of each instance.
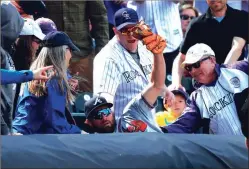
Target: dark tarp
(131, 150)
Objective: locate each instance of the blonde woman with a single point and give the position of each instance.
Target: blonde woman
(42, 105)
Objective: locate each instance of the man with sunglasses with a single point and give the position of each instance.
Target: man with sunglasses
(223, 28)
(122, 68)
(218, 105)
(99, 116)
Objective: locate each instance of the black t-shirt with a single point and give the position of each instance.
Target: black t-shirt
(217, 35)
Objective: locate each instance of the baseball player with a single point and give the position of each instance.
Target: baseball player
(217, 105)
(122, 68)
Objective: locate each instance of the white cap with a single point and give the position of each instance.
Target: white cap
(32, 28)
(197, 52)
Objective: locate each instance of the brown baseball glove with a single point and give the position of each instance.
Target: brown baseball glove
(153, 42)
(140, 30)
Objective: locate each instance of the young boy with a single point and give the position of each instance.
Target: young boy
(171, 113)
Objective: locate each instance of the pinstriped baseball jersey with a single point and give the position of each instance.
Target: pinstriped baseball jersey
(163, 18)
(216, 102)
(116, 72)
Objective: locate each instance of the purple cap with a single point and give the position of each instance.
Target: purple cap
(46, 25)
(181, 92)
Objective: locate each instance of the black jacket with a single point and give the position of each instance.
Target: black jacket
(11, 26)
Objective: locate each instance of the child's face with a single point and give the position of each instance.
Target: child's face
(179, 105)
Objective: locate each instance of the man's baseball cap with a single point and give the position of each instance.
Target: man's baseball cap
(46, 25)
(124, 17)
(197, 52)
(94, 103)
(32, 28)
(58, 38)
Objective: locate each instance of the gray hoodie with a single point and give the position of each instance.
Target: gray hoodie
(11, 26)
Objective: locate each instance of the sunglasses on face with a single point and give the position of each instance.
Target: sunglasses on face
(125, 31)
(99, 115)
(186, 17)
(195, 65)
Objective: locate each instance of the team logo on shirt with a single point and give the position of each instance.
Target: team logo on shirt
(136, 126)
(235, 82)
(220, 105)
(176, 32)
(131, 75)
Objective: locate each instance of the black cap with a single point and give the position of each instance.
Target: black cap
(124, 17)
(58, 38)
(94, 103)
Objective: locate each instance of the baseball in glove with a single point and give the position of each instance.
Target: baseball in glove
(153, 42)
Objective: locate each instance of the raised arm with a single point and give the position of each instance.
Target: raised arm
(236, 50)
(177, 71)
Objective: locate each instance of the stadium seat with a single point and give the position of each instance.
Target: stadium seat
(78, 109)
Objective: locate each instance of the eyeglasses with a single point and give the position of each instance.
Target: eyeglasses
(195, 65)
(186, 17)
(125, 31)
(36, 40)
(99, 115)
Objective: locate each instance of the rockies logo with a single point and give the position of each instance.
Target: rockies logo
(235, 82)
(126, 15)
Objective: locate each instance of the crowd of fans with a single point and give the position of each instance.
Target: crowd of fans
(193, 64)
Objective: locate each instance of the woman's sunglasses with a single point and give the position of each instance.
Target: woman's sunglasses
(195, 65)
(99, 115)
(186, 17)
(38, 41)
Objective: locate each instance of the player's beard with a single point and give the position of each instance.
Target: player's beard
(218, 6)
(107, 128)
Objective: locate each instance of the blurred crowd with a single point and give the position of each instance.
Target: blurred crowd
(172, 66)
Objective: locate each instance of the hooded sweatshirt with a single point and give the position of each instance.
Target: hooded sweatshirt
(11, 26)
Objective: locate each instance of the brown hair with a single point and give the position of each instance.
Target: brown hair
(188, 6)
(24, 52)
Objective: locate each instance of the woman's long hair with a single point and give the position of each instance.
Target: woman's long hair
(52, 56)
(24, 52)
